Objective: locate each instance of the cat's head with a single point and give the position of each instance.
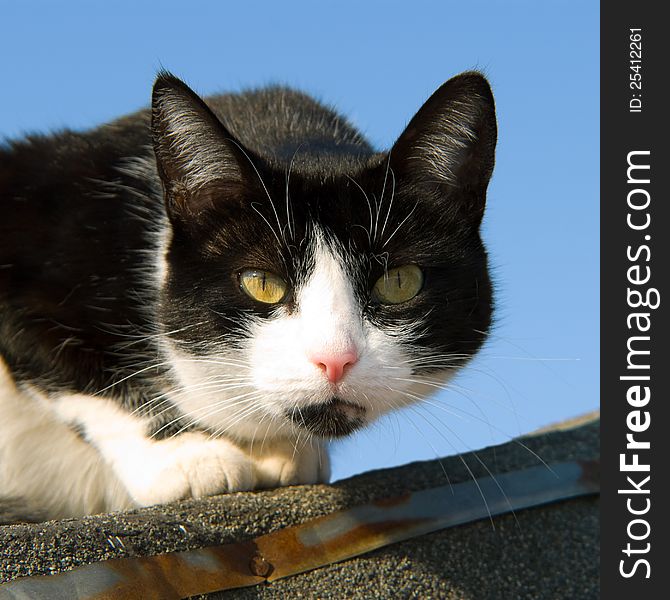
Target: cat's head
(314, 284)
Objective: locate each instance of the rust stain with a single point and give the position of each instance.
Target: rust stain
(282, 553)
(260, 567)
(167, 576)
(289, 556)
(394, 501)
(590, 473)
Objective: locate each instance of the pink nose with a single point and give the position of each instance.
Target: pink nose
(334, 365)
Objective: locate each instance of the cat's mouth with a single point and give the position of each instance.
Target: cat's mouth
(335, 418)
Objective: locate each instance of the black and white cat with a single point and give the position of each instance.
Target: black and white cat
(194, 299)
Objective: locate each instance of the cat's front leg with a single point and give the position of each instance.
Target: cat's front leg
(284, 462)
(188, 465)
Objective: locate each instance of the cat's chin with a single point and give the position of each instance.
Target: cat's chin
(335, 418)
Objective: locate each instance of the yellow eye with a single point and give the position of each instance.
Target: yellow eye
(263, 286)
(399, 285)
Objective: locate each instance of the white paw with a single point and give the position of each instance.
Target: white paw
(188, 466)
(282, 464)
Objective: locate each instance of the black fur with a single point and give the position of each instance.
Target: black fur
(329, 420)
(81, 214)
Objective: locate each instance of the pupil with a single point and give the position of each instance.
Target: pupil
(399, 283)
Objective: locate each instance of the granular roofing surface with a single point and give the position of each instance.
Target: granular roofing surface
(549, 552)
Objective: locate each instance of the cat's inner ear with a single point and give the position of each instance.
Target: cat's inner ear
(195, 154)
(451, 140)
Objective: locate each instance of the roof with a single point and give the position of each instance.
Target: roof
(550, 551)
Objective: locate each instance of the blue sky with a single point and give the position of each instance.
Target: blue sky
(79, 64)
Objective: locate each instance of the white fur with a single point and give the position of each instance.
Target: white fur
(282, 462)
(188, 465)
(245, 397)
(250, 392)
(44, 461)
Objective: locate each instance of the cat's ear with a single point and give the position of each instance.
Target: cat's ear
(195, 154)
(450, 143)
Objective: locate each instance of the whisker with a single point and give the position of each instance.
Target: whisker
(393, 406)
(388, 212)
(238, 417)
(218, 407)
(399, 226)
(465, 464)
(289, 212)
(272, 204)
(370, 236)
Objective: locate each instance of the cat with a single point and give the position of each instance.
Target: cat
(196, 298)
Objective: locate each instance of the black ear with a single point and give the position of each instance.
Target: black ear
(195, 154)
(450, 142)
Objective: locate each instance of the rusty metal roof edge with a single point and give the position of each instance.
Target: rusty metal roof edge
(316, 543)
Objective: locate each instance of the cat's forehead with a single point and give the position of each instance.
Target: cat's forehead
(352, 212)
(331, 253)
(364, 218)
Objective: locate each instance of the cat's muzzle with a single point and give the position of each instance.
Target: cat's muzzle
(335, 418)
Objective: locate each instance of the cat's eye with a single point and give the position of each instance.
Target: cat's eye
(263, 286)
(398, 285)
